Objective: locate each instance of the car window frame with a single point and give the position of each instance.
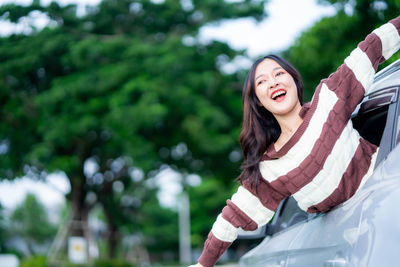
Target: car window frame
(397, 124)
(387, 96)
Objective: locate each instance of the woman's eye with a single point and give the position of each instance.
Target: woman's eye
(280, 73)
(260, 82)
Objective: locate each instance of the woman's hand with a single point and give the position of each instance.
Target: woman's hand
(196, 265)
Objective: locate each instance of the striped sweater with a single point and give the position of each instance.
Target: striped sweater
(325, 162)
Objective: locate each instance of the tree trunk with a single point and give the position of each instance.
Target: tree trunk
(77, 224)
(113, 236)
(113, 240)
(79, 208)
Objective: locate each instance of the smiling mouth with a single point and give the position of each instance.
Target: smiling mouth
(278, 94)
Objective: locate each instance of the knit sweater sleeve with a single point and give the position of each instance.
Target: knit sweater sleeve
(243, 210)
(354, 77)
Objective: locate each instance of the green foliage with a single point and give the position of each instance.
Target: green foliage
(322, 48)
(118, 86)
(40, 261)
(29, 220)
(159, 226)
(34, 261)
(111, 263)
(67, 263)
(213, 195)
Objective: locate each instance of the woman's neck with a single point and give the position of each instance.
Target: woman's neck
(289, 125)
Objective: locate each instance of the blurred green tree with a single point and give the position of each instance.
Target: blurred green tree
(159, 227)
(213, 195)
(125, 86)
(323, 48)
(30, 221)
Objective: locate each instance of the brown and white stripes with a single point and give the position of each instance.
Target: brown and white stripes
(325, 162)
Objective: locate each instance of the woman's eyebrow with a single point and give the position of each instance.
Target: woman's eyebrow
(259, 76)
(274, 69)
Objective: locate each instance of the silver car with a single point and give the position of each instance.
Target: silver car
(365, 230)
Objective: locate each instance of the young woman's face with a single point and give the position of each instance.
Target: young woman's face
(276, 88)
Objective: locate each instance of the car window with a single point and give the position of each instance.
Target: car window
(371, 125)
(374, 112)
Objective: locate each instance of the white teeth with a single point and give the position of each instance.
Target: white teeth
(279, 93)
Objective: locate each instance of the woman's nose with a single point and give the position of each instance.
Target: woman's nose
(273, 83)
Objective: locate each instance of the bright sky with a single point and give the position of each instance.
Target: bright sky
(51, 194)
(286, 20)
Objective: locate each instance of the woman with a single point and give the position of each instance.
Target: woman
(309, 151)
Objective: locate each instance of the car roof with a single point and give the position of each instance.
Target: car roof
(389, 76)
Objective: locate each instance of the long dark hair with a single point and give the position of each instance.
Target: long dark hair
(260, 128)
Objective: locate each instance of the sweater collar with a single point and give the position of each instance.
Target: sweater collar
(271, 153)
